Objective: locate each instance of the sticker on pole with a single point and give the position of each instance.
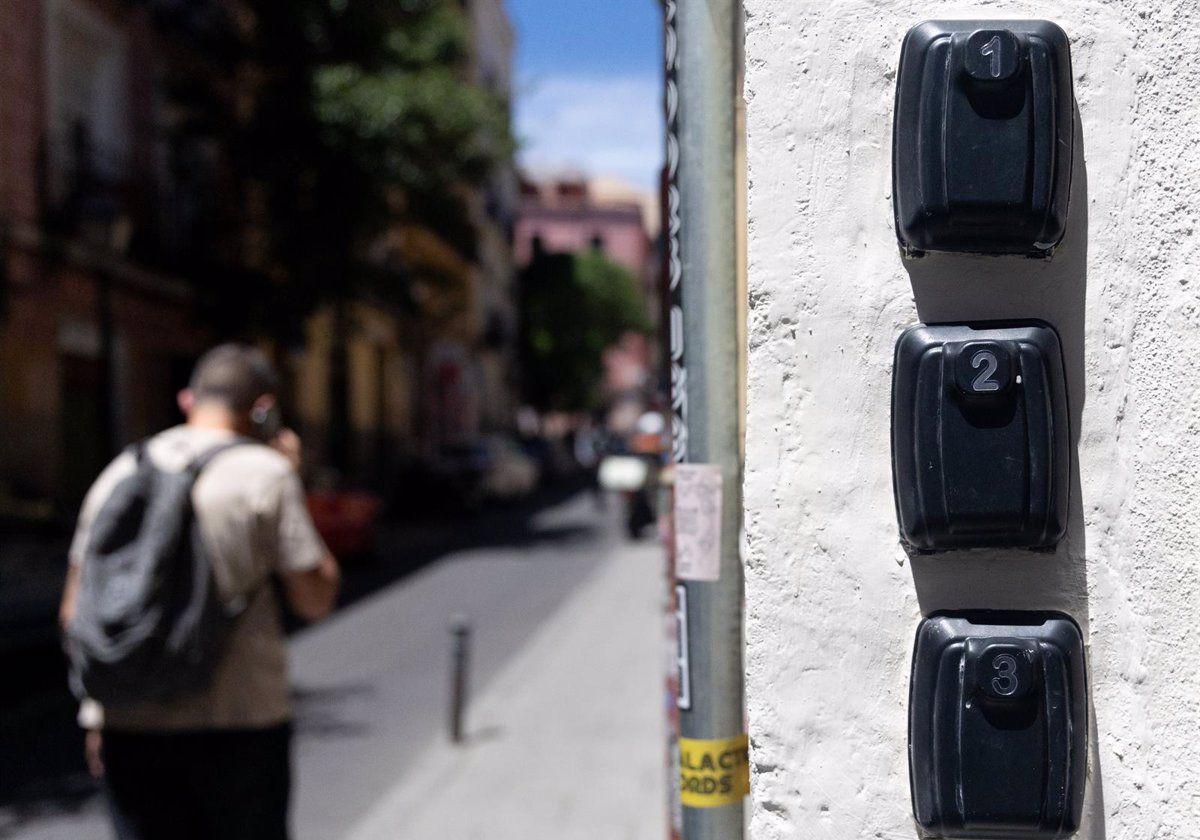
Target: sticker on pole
(697, 521)
(714, 773)
(683, 693)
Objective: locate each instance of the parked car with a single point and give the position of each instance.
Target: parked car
(347, 520)
(494, 468)
(510, 474)
(453, 477)
(552, 457)
(635, 478)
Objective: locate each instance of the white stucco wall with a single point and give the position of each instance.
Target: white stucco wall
(832, 599)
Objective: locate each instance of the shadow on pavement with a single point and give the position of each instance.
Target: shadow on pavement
(41, 759)
(407, 547)
(315, 715)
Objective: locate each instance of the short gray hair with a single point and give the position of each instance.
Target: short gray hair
(235, 375)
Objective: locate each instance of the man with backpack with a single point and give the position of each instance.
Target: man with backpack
(171, 612)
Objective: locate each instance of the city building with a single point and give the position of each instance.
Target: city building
(97, 200)
(126, 232)
(569, 213)
(492, 310)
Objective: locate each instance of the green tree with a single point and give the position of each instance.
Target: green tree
(366, 118)
(573, 306)
(351, 116)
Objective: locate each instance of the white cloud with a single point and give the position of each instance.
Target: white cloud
(598, 125)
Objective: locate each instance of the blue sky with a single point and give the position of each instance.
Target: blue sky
(588, 86)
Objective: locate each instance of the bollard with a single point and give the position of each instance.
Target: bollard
(461, 630)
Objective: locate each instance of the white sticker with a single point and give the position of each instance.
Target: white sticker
(697, 521)
(683, 697)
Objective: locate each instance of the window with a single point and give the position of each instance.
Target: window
(87, 118)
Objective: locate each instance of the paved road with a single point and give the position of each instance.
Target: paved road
(568, 740)
(372, 681)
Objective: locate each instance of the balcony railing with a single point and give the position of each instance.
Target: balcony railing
(163, 216)
(85, 190)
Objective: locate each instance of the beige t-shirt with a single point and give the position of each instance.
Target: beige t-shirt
(251, 512)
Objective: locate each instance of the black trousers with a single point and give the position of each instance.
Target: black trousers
(224, 784)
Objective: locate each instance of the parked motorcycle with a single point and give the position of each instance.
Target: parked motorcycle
(631, 476)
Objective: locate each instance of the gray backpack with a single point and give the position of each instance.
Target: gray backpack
(148, 624)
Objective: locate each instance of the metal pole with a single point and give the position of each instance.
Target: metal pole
(709, 424)
(677, 376)
(461, 629)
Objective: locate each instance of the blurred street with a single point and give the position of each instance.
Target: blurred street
(431, 238)
(556, 685)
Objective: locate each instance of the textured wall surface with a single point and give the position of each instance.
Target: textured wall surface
(832, 599)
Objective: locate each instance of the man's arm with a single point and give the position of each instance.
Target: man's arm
(311, 594)
(310, 591)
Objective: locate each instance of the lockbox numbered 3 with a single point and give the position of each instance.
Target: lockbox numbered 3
(998, 725)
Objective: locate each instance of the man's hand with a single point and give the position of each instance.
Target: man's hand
(287, 444)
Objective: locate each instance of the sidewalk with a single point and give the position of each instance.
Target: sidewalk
(568, 741)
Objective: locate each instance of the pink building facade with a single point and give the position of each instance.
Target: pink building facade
(565, 216)
(562, 217)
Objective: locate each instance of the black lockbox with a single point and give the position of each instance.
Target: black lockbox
(980, 437)
(982, 139)
(997, 732)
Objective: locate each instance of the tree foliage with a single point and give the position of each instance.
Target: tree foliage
(573, 307)
(353, 115)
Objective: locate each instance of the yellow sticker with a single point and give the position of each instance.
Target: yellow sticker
(714, 773)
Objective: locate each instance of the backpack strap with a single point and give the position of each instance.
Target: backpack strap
(138, 450)
(201, 461)
(233, 609)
